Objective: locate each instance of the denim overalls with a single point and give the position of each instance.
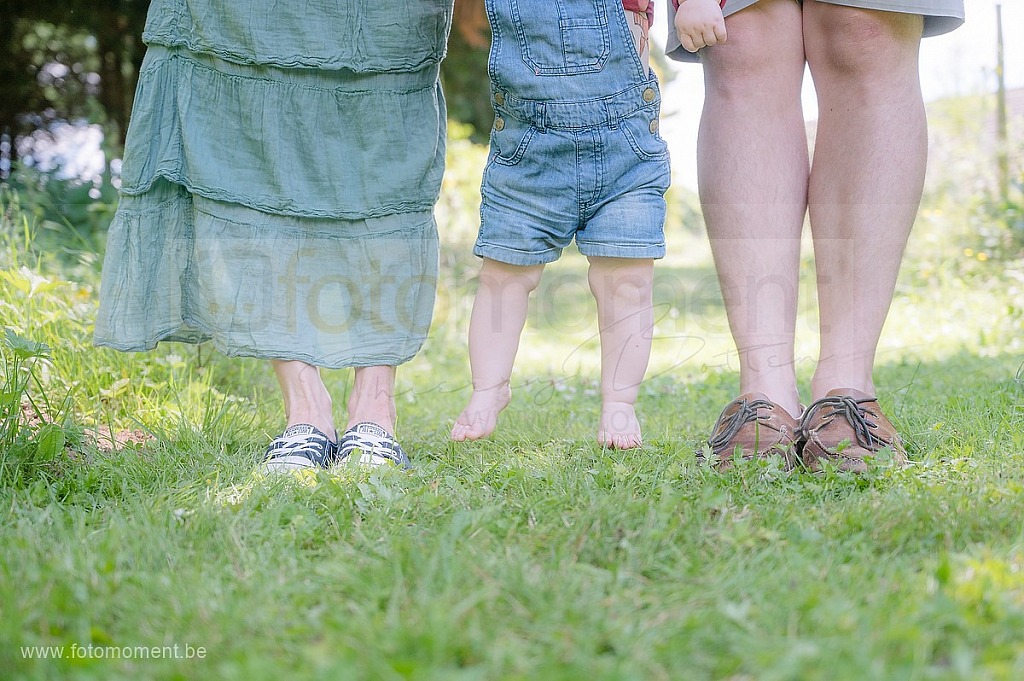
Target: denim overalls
(575, 150)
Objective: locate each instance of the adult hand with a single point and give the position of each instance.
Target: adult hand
(700, 23)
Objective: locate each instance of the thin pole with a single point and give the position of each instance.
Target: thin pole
(1001, 133)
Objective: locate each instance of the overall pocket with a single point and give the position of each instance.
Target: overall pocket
(641, 133)
(510, 139)
(562, 37)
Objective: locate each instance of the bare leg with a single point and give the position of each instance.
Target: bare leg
(373, 397)
(866, 178)
(306, 399)
(499, 314)
(752, 168)
(622, 288)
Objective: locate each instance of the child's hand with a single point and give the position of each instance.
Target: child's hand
(700, 23)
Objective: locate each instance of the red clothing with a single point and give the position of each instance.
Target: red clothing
(642, 6)
(675, 3)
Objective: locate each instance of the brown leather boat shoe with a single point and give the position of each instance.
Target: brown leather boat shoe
(847, 427)
(756, 427)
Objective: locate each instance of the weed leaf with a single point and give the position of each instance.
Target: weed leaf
(50, 442)
(25, 348)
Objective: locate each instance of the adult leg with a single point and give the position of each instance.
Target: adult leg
(752, 168)
(373, 397)
(623, 289)
(499, 314)
(866, 177)
(306, 399)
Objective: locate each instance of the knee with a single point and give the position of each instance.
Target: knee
(629, 290)
(635, 290)
(501, 277)
(730, 83)
(737, 71)
(864, 46)
(762, 59)
(635, 293)
(530, 279)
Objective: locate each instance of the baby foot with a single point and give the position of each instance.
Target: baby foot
(480, 416)
(619, 428)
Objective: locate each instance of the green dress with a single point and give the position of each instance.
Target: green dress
(279, 178)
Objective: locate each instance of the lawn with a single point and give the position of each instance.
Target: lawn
(133, 522)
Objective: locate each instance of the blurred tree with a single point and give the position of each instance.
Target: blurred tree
(464, 71)
(70, 59)
(16, 80)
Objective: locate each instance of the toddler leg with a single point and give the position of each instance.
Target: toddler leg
(622, 288)
(499, 314)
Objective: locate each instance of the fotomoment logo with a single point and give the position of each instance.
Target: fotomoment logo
(93, 652)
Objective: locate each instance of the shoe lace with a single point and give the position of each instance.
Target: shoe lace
(367, 443)
(728, 425)
(857, 416)
(287, 445)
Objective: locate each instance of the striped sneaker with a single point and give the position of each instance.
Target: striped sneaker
(298, 447)
(367, 444)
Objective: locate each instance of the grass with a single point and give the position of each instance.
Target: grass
(535, 555)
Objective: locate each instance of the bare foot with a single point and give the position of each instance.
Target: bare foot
(480, 416)
(619, 428)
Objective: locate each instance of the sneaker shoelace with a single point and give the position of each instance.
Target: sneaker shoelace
(727, 426)
(857, 416)
(373, 444)
(312, 446)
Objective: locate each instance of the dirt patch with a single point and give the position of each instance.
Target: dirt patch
(107, 441)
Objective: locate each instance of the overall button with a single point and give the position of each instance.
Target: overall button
(499, 98)
(649, 94)
(653, 126)
(499, 124)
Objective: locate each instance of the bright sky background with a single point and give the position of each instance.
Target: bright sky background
(961, 62)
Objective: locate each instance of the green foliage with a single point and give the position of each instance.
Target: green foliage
(1001, 220)
(33, 411)
(963, 184)
(69, 215)
(466, 86)
(22, 447)
(63, 62)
